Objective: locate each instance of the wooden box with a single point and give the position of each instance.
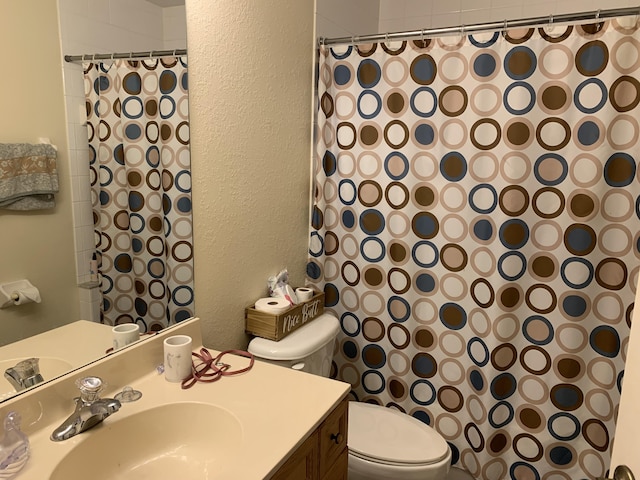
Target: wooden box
(276, 327)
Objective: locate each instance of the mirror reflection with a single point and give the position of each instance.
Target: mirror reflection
(54, 248)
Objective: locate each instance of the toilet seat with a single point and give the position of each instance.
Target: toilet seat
(385, 436)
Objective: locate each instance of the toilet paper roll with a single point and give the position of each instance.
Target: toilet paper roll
(26, 295)
(274, 305)
(304, 294)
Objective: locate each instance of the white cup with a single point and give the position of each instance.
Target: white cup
(125, 334)
(177, 358)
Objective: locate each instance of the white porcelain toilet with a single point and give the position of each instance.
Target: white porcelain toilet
(384, 444)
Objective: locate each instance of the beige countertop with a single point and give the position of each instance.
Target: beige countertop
(276, 408)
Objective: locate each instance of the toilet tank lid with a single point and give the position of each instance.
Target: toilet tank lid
(304, 341)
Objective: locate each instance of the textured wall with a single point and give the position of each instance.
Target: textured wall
(36, 245)
(250, 75)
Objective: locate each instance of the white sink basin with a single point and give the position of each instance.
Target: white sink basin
(50, 367)
(180, 440)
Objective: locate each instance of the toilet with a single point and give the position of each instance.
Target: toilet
(383, 443)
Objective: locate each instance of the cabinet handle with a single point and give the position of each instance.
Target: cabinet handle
(337, 438)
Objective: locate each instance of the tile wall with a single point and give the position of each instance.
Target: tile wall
(103, 26)
(339, 18)
(401, 15)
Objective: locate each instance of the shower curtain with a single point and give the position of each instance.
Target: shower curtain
(475, 228)
(140, 170)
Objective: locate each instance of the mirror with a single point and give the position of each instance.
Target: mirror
(46, 247)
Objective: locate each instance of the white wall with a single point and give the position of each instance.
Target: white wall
(103, 26)
(401, 15)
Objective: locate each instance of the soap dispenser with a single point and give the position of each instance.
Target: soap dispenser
(14, 447)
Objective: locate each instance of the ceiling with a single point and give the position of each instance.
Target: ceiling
(167, 3)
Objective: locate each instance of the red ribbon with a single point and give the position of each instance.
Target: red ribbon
(210, 369)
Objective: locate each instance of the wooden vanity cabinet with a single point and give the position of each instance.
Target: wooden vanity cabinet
(323, 455)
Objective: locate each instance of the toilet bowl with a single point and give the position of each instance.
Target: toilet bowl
(388, 444)
(384, 444)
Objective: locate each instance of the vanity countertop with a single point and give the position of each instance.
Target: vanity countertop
(276, 408)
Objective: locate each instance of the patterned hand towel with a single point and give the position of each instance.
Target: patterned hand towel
(28, 176)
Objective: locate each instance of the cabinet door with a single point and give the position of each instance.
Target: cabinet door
(303, 464)
(339, 470)
(333, 437)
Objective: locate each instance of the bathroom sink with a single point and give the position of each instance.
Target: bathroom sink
(50, 367)
(179, 440)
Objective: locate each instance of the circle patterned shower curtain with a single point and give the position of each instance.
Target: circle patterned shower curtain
(476, 230)
(140, 168)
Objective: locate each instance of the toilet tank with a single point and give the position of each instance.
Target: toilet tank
(310, 348)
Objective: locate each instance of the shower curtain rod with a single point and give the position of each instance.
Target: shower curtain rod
(131, 55)
(483, 27)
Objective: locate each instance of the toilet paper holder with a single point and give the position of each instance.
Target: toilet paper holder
(17, 293)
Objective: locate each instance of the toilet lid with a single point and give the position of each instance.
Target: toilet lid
(384, 435)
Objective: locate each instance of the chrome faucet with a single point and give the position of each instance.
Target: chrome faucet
(90, 409)
(24, 374)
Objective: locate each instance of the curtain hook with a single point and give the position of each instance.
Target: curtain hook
(422, 37)
(353, 42)
(599, 27)
(549, 27)
(386, 37)
(505, 25)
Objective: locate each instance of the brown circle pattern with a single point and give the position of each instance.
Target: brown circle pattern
(484, 215)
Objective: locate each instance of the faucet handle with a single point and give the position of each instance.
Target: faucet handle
(90, 388)
(28, 368)
(24, 374)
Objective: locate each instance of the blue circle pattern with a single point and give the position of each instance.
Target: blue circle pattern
(481, 188)
(414, 107)
(380, 246)
(369, 65)
(484, 65)
(367, 95)
(528, 107)
(601, 103)
(396, 156)
(523, 265)
(436, 255)
(480, 362)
